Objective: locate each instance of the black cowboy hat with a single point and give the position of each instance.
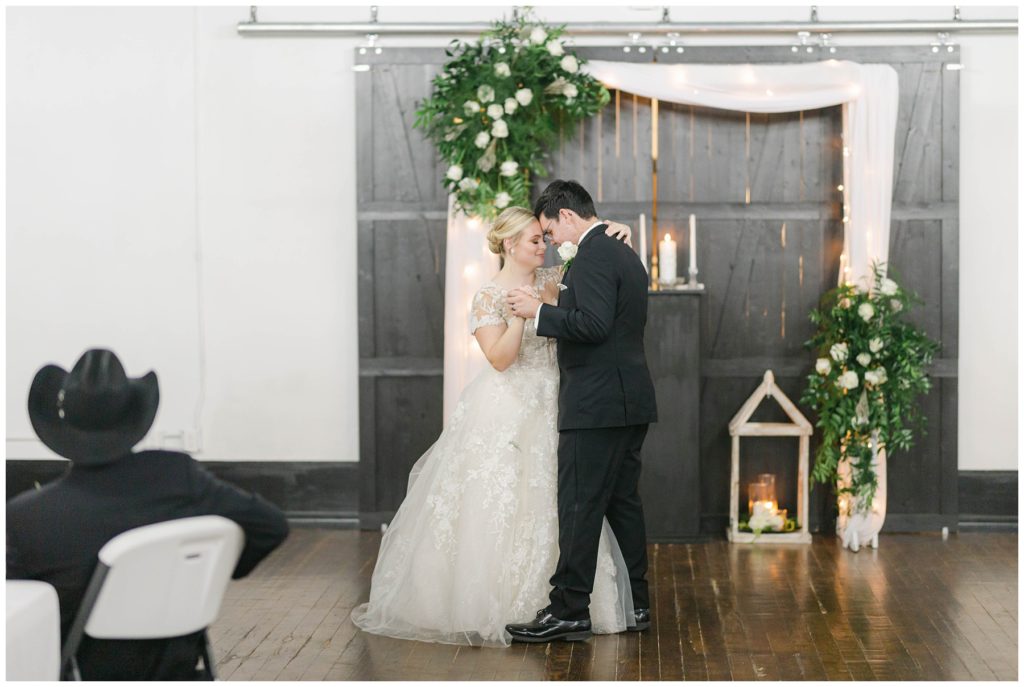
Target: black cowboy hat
(95, 414)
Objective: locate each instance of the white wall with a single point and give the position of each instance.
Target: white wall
(215, 175)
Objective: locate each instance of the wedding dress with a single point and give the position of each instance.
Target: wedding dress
(475, 541)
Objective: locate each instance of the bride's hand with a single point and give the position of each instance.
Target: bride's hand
(619, 231)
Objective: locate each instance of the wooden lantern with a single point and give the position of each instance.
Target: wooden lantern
(741, 426)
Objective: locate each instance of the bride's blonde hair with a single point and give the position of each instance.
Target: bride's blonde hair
(509, 224)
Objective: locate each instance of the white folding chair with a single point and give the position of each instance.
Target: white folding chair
(33, 631)
(158, 581)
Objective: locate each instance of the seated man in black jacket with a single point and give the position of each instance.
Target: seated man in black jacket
(93, 416)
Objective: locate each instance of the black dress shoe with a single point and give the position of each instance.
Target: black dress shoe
(641, 620)
(547, 628)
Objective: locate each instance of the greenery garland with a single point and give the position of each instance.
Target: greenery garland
(497, 107)
(870, 370)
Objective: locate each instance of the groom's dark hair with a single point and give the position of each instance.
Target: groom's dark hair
(564, 194)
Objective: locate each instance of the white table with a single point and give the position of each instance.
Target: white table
(33, 631)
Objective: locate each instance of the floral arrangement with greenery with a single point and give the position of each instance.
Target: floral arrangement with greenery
(870, 370)
(496, 109)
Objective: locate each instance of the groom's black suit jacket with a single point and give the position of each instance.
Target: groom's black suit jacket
(599, 324)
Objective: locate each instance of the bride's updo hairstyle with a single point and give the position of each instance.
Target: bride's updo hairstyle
(508, 225)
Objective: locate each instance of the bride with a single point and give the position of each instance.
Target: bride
(475, 541)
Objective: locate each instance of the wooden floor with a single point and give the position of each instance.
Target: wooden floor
(919, 608)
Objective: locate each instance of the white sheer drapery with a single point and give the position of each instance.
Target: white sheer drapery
(468, 265)
(869, 94)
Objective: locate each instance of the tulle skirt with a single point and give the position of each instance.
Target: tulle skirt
(475, 541)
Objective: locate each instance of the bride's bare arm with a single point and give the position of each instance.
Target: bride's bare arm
(500, 343)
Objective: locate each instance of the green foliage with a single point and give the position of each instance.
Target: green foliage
(855, 399)
(541, 95)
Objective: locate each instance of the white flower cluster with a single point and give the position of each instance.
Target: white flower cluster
(567, 251)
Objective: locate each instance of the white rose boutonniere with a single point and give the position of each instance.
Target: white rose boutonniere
(567, 251)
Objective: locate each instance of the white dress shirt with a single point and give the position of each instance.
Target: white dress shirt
(536, 318)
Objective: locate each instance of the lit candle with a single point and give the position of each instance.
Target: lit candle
(693, 243)
(667, 261)
(643, 239)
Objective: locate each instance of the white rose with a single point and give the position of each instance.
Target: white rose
(509, 168)
(555, 48)
(759, 522)
(848, 380)
(524, 96)
(569, 64)
(822, 366)
(471, 107)
(889, 287)
(500, 129)
(538, 35)
(502, 200)
(567, 251)
(871, 377)
(495, 111)
(895, 305)
(864, 359)
(482, 139)
(875, 345)
(501, 69)
(881, 375)
(468, 184)
(454, 173)
(510, 105)
(839, 352)
(866, 311)
(485, 93)
(570, 91)
(844, 303)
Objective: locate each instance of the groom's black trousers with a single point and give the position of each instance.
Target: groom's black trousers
(598, 477)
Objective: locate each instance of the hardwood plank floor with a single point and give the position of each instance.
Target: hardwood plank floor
(919, 608)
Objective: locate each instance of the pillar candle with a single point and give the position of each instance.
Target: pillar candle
(693, 242)
(667, 260)
(643, 239)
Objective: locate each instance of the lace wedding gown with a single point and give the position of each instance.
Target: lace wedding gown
(475, 541)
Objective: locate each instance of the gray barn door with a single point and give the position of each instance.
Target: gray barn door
(764, 190)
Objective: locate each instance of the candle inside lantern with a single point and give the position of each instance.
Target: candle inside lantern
(693, 243)
(667, 260)
(643, 239)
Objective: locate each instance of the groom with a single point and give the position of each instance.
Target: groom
(605, 402)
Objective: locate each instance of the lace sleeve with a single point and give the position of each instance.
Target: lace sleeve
(488, 309)
(548, 275)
